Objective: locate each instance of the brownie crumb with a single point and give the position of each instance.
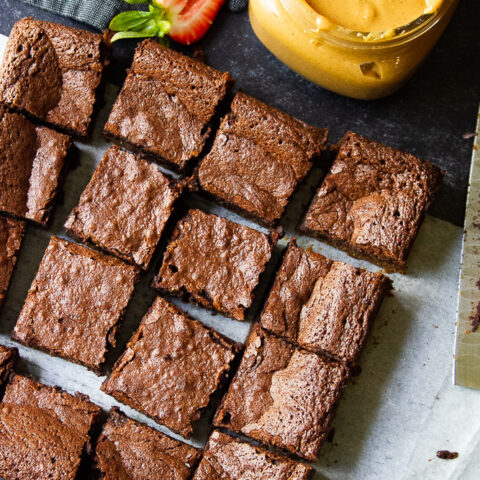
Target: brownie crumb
(447, 454)
(475, 318)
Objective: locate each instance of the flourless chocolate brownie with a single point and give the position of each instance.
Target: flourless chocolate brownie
(228, 458)
(166, 104)
(171, 367)
(8, 358)
(75, 303)
(125, 207)
(259, 157)
(43, 431)
(128, 450)
(282, 395)
(11, 236)
(31, 163)
(52, 72)
(214, 262)
(322, 305)
(373, 201)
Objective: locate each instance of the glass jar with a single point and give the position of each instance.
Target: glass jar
(355, 64)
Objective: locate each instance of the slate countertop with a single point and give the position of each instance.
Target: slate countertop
(427, 117)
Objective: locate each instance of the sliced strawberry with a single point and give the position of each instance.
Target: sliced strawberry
(190, 18)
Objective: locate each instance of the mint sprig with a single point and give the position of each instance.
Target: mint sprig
(140, 23)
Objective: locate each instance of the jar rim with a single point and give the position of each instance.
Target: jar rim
(346, 37)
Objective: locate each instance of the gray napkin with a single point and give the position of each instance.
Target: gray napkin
(96, 13)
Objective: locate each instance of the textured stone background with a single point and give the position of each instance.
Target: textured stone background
(427, 117)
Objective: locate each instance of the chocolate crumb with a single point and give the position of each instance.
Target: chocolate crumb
(469, 135)
(447, 454)
(475, 318)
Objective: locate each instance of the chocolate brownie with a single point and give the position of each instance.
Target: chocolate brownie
(11, 236)
(125, 207)
(8, 358)
(259, 157)
(44, 431)
(171, 367)
(128, 450)
(282, 395)
(166, 104)
(227, 458)
(31, 165)
(373, 201)
(52, 72)
(322, 305)
(75, 303)
(214, 262)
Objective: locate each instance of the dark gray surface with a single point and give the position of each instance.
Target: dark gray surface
(427, 117)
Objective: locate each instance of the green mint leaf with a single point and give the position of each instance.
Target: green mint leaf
(129, 20)
(121, 35)
(136, 2)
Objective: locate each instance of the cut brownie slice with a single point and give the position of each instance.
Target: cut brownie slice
(322, 305)
(259, 157)
(43, 431)
(282, 395)
(8, 358)
(214, 262)
(125, 207)
(166, 104)
(75, 303)
(373, 201)
(128, 450)
(31, 164)
(52, 72)
(171, 368)
(228, 458)
(11, 236)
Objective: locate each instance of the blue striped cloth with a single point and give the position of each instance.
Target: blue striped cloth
(96, 13)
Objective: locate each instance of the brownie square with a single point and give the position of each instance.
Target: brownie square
(372, 202)
(282, 395)
(322, 305)
(171, 367)
(44, 431)
(214, 262)
(127, 450)
(166, 104)
(125, 207)
(258, 159)
(8, 358)
(75, 304)
(11, 237)
(228, 458)
(52, 72)
(31, 164)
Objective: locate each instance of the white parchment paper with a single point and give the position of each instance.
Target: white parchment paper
(399, 411)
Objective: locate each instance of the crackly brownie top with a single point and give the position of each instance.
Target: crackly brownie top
(374, 197)
(226, 458)
(43, 431)
(75, 302)
(51, 71)
(125, 206)
(323, 305)
(171, 367)
(259, 157)
(282, 395)
(166, 103)
(215, 261)
(11, 236)
(31, 161)
(8, 357)
(127, 450)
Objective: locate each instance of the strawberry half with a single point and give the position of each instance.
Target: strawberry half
(186, 21)
(190, 18)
